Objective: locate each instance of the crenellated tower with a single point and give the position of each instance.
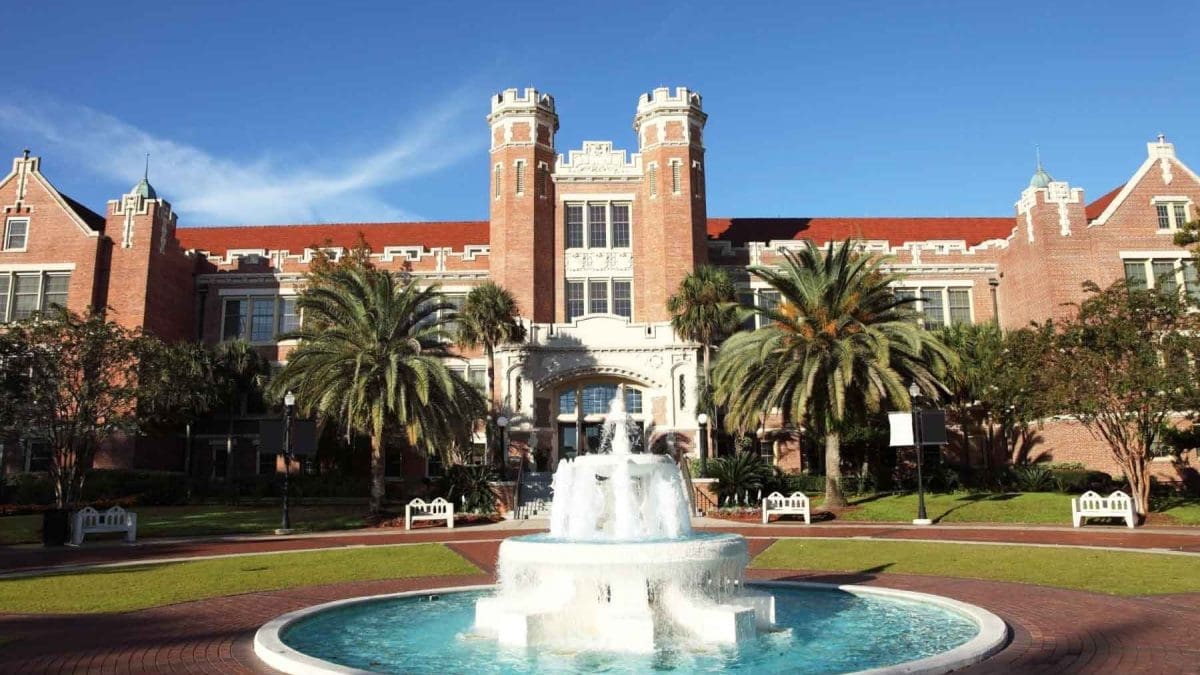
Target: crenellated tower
(522, 229)
(674, 240)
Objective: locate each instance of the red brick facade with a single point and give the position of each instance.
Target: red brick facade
(653, 230)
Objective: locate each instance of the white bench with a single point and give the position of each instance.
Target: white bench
(795, 505)
(1092, 505)
(90, 521)
(438, 509)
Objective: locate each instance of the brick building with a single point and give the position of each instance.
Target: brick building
(591, 241)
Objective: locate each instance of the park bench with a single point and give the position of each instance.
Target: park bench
(90, 521)
(438, 509)
(1092, 505)
(795, 505)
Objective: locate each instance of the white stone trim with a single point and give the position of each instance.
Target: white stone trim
(38, 267)
(598, 197)
(256, 291)
(1144, 255)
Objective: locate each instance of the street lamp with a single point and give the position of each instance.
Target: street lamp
(502, 423)
(289, 406)
(702, 419)
(922, 518)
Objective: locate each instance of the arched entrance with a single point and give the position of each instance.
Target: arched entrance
(581, 407)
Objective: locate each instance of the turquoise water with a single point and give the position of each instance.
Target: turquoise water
(829, 631)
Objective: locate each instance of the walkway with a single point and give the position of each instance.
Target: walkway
(1054, 631)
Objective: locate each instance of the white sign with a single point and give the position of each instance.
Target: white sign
(901, 425)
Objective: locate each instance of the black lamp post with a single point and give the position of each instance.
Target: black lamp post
(502, 441)
(702, 419)
(289, 406)
(922, 518)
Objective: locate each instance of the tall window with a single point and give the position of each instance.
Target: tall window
(496, 171)
(37, 455)
(633, 400)
(289, 315)
(520, 177)
(676, 177)
(235, 319)
(574, 225)
(543, 179)
(766, 300)
(960, 305)
(623, 299)
(1135, 274)
(16, 234)
(259, 318)
(597, 225)
(24, 293)
(262, 319)
(575, 300)
(932, 307)
(1165, 273)
(598, 297)
(620, 225)
(653, 177)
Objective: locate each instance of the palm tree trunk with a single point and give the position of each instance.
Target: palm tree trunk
(491, 394)
(833, 471)
(709, 397)
(377, 468)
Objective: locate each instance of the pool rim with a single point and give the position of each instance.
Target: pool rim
(993, 632)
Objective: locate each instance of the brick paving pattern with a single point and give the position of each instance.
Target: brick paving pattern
(1053, 630)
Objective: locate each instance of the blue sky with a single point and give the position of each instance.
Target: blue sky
(315, 111)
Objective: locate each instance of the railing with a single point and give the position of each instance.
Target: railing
(705, 503)
(516, 498)
(698, 499)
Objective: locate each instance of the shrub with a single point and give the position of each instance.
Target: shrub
(1033, 478)
(146, 488)
(29, 489)
(740, 477)
(472, 481)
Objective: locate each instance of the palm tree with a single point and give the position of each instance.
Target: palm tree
(370, 357)
(241, 371)
(840, 339)
(705, 310)
(488, 318)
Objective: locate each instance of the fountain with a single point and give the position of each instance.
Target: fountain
(621, 564)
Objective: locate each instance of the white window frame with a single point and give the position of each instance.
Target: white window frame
(251, 297)
(8, 223)
(42, 274)
(609, 229)
(944, 288)
(1173, 224)
(1147, 260)
(609, 284)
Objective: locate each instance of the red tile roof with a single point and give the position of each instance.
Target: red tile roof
(896, 231)
(1097, 207)
(296, 238)
(456, 235)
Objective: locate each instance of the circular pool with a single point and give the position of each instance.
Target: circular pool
(822, 629)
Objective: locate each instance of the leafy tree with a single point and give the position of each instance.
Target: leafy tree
(85, 382)
(704, 309)
(370, 358)
(839, 340)
(1122, 366)
(240, 372)
(488, 319)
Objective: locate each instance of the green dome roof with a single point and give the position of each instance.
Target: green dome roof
(144, 189)
(1040, 179)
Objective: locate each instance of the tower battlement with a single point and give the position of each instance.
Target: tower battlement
(662, 99)
(515, 100)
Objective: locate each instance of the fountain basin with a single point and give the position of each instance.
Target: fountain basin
(827, 629)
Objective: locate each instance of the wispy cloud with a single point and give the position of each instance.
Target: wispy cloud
(205, 188)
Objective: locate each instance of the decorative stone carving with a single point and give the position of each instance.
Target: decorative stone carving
(599, 260)
(598, 159)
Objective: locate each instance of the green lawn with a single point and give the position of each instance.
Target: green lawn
(1110, 572)
(131, 588)
(1046, 508)
(182, 521)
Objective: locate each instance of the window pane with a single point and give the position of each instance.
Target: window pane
(25, 295)
(596, 398)
(767, 300)
(267, 464)
(55, 292)
(520, 178)
(960, 305)
(633, 400)
(262, 320)
(620, 216)
(235, 320)
(566, 402)
(574, 225)
(496, 180)
(289, 317)
(599, 297)
(747, 300)
(931, 307)
(39, 456)
(574, 299)
(597, 226)
(653, 180)
(5, 286)
(1191, 282)
(622, 299)
(1180, 215)
(676, 183)
(451, 326)
(1164, 275)
(1164, 218)
(478, 376)
(1135, 273)
(16, 234)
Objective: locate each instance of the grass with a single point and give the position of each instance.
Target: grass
(1044, 508)
(131, 588)
(185, 521)
(1097, 571)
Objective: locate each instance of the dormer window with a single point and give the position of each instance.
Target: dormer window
(16, 234)
(1172, 214)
